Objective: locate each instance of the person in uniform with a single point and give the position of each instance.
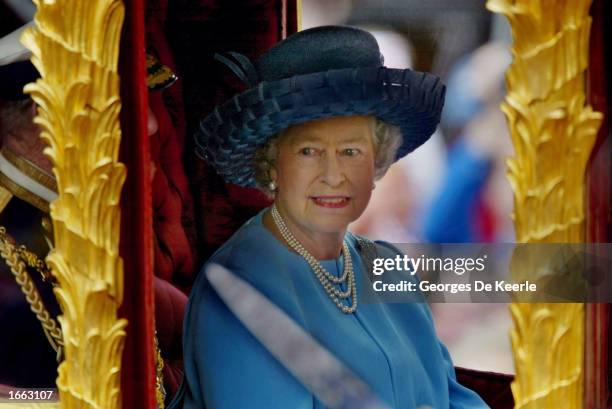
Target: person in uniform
(27, 186)
(31, 337)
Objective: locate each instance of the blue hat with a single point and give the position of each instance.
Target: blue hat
(318, 73)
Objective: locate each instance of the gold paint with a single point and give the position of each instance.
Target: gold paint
(23, 193)
(159, 76)
(75, 48)
(5, 197)
(298, 7)
(553, 132)
(160, 391)
(29, 169)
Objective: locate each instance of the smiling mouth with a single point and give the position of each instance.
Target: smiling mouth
(333, 202)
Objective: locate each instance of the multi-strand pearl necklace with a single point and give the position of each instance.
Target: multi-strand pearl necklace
(327, 280)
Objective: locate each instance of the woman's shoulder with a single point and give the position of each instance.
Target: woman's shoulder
(254, 254)
(380, 247)
(371, 251)
(252, 246)
(248, 239)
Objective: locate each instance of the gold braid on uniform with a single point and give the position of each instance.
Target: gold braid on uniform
(160, 391)
(18, 259)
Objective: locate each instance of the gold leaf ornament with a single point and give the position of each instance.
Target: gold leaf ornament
(75, 47)
(553, 133)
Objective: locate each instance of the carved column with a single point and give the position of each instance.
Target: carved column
(75, 48)
(553, 132)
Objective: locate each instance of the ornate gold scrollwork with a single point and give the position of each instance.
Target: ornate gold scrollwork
(553, 133)
(75, 48)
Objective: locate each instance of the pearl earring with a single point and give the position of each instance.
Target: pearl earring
(272, 186)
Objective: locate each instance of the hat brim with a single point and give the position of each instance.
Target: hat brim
(229, 137)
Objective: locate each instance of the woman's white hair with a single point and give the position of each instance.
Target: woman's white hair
(387, 140)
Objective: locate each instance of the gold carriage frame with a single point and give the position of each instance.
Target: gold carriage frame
(75, 47)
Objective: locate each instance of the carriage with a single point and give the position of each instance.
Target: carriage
(137, 212)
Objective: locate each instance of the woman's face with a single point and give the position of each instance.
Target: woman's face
(324, 173)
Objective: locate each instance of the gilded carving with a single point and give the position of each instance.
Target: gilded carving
(75, 47)
(553, 132)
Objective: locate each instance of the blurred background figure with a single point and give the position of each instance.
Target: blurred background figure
(454, 188)
(394, 211)
(474, 201)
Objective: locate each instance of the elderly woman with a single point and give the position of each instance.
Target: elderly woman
(322, 121)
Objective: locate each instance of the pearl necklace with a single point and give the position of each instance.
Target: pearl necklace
(327, 280)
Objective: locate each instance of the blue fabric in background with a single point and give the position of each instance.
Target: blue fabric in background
(450, 218)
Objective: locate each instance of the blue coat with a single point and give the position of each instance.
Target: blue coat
(392, 347)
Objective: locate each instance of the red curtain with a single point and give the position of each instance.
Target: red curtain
(195, 30)
(599, 201)
(138, 365)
